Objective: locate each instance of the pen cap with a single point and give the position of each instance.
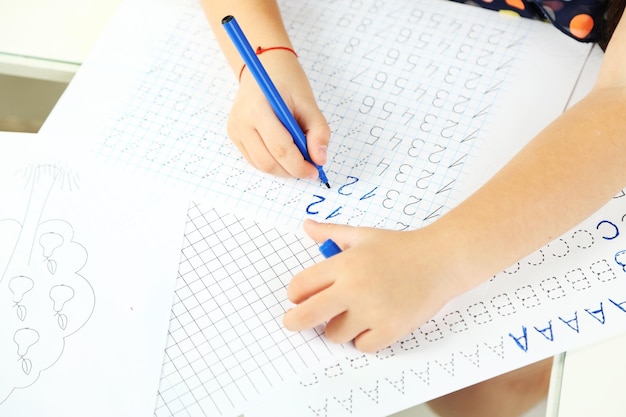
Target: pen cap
(329, 248)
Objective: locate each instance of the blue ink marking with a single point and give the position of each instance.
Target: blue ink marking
(614, 226)
(369, 194)
(308, 209)
(597, 314)
(335, 213)
(574, 320)
(524, 338)
(619, 305)
(622, 263)
(547, 331)
(347, 184)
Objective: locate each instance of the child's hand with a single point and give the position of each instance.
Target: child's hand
(382, 286)
(258, 133)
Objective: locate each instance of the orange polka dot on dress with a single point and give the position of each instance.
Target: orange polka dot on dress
(580, 19)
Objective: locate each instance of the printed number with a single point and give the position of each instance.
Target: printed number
(400, 85)
(414, 150)
(416, 15)
(440, 98)
(435, 156)
(475, 31)
(410, 209)
(428, 121)
(392, 57)
(367, 104)
(382, 165)
(354, 42)
(390, 198)
(404, 35)
(375, 133)
(463, 52)
(379, 80)
(362, 27)
(403, 173)
(345, 20)
(460, 105)
(423, 40)
(375, 8)
(451, 75)
(387, 110)
(496, 36)
(422, 181)
(435, 20)
(448, 130)
(412, 61)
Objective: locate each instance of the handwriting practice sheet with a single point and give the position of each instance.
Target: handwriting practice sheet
(425, 101)
(227, 350)
(414, 94)
(84, 289)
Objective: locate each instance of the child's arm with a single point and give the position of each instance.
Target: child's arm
(252, 125)
(385, 284)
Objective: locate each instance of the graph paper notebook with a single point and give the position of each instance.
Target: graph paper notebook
(425, 101)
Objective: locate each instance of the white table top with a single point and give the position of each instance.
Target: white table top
(590, 381)
(49, 39)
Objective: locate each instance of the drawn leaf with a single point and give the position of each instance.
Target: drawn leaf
(52, 266)
(21, 312)
(27, 366)
(62, 320)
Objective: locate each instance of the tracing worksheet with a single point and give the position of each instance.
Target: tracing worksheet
(227, 350)
(425, 101)
(85, 282)
(419, 98)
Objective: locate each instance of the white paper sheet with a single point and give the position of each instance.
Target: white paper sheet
(88, 262)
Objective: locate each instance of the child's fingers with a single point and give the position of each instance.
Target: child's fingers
(316, 310)
(264, 141)
(343, 328)
(307, 283)
(282, 149)
(317, 136)
(254, 151)
(342, 235)
(375, 340)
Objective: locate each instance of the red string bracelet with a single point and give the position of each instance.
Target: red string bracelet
(260, 50)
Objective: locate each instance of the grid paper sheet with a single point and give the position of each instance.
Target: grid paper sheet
(226, 343)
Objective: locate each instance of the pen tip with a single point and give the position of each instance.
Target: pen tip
(327, 185)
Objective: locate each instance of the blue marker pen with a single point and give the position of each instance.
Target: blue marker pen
(329, 248)
(269, 89)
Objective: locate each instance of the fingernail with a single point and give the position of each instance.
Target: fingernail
(323, 151)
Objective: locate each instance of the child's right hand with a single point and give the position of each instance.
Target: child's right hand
(258, 133)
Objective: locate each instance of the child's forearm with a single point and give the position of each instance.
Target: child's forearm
(570, 170)
(260, 20)
(566, 173)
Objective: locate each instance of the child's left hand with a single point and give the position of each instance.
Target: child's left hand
(382, 286)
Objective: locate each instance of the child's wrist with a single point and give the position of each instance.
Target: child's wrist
(260, 50)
